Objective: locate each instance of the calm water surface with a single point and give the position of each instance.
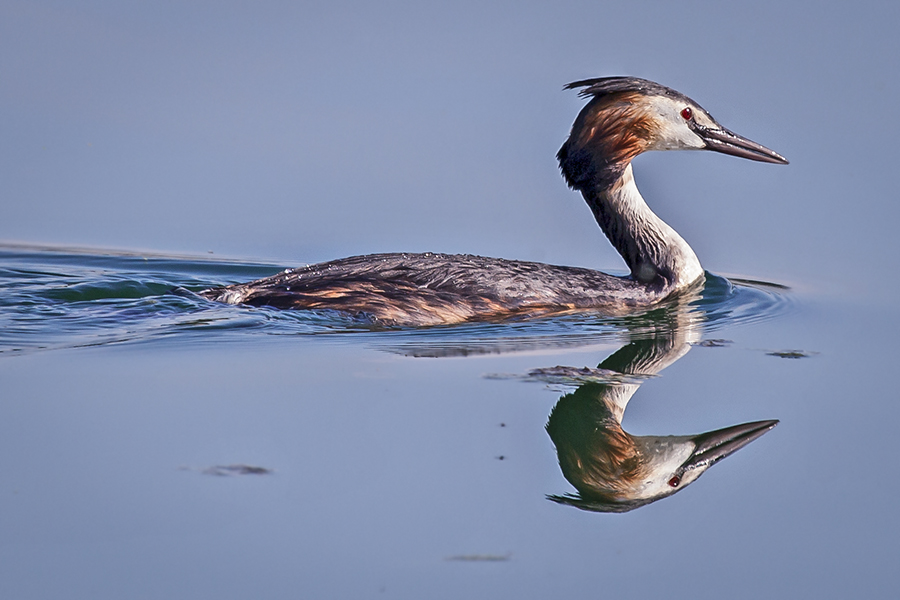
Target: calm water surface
(156, 445)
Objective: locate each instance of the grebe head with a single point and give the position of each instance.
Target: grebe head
(627, 116)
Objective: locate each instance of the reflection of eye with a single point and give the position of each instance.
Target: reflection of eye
(688, 114)
(677, 479)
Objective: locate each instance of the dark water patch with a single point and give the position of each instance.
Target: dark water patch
(235, 470)
(63, 299)
(111, 290)
(480, 557)
(714, 343)
(793, 354)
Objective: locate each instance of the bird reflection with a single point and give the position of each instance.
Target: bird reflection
(613, 470)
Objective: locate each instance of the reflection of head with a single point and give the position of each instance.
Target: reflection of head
(614, 471)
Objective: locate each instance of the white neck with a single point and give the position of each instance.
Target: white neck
(654, 252)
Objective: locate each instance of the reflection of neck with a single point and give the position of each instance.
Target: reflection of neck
(653, 251)
(642, 357)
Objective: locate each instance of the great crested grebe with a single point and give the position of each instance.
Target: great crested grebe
(625, 116)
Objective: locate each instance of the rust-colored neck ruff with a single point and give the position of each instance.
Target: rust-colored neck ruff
(606, 135)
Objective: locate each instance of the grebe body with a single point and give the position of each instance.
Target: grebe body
(624, 117)
(434, 289)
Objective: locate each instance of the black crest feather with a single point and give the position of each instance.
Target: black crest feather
(603, 86)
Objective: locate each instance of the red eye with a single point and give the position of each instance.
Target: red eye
(677, 479)
(687, 113)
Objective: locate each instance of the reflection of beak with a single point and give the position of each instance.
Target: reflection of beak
(716, 445)
(728, 142)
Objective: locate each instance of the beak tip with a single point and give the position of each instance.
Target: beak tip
(727, 142)
(715, 445)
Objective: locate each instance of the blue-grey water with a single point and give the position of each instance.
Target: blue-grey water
(154, 444)
(157, 445)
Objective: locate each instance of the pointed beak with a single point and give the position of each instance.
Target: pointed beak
(728, 142)
(716, 445)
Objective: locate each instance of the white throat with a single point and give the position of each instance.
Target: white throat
(651, 248)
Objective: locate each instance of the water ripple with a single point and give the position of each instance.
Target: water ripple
(67, 298)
